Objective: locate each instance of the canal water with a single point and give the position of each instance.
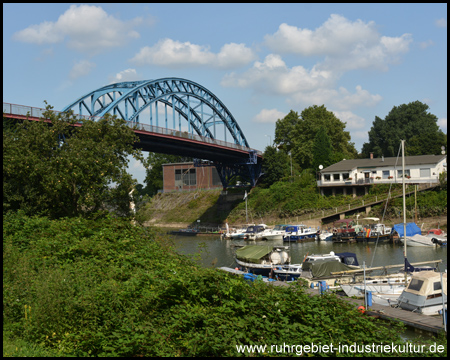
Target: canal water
(215, 252)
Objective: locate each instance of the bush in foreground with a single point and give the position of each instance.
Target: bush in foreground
(108, 288)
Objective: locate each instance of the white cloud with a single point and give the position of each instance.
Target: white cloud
(301, 86)
(442, 122)
(441, 23)
(345, 45)
(352, 120)
(81, 68)
(273, 77)
(268, 116)
(424, 44)
(125, 75)
(88, 29)
(171, 53)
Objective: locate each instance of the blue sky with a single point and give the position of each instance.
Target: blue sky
(260, 60)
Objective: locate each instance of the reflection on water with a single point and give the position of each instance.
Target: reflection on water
(221, 252)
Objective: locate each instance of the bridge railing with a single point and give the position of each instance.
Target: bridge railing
(358, 202)
(22, 110)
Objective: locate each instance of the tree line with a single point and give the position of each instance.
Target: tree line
(64, 169)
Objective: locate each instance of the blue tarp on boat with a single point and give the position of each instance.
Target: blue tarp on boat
(411, 229)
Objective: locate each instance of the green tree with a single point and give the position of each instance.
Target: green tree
(297, 134)
(154, 176)
(284, 131)
(411, 122)
(65, 167)
(322, 150)
(276, 165)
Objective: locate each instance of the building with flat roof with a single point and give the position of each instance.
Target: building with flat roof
(357, 175)
(187, 177)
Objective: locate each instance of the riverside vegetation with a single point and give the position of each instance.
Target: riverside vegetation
(282, 201)
(105, 287)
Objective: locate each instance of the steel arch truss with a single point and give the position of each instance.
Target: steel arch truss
(135, 101)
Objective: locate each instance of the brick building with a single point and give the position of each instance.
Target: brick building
(184, 176)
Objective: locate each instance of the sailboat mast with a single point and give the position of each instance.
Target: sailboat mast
(404, 198)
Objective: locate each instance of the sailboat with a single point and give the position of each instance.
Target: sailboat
(388, 288)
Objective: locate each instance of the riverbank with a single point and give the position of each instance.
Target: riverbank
(213, 208)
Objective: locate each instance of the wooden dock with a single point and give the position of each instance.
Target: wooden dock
(433, 324)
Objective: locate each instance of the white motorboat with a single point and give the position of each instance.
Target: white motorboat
(325, 236)
(289, 272)
(425, 294)
(253, 231)
(273, 234)
(419, 240)
(300, 233)
(234, 233)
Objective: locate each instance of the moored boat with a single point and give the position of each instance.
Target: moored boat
(253, 231)
(374, 232)
(300, 233)
(259, 259)
(273, 234)
(289, 272)
(345, 231)
(425, 294)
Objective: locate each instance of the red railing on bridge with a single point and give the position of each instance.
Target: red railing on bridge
(37, 113)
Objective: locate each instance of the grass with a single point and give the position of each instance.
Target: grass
(15, 347)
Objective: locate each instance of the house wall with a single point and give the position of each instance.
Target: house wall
(189, 177)
(419, 174)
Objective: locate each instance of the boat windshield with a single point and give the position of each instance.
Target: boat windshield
(415, 284)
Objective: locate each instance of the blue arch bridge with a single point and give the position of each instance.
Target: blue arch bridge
(171, 116)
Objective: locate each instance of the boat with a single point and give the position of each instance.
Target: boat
(345, 231)
(253, 231)
(300, 233)
(425, 294)
(374, 232)
(321, 267)
(273, 234)
(185, 232)
(234, 233)
(325, 235)
(260, 259)
(437, 236)
(289, 272)
(413, 235)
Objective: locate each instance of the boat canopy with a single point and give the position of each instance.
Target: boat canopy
(372, 218)
(348, 258)
(411, 229)
(253, 253)
(324, 268)
(427, 283)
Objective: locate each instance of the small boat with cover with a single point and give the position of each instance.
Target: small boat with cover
(261, 259)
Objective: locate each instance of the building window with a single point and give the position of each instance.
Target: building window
(345, 176)
(185, 177)
(326, 177)
(399, 173)
(386, 174)
(336, 177)
(425, 173)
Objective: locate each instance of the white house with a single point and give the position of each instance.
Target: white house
(361, 173)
